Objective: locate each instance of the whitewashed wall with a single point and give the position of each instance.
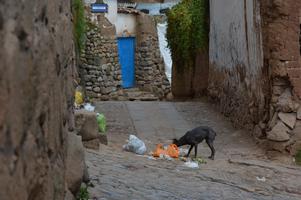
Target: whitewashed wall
(237, 78)
(112, 11)
(125, 24)
(235, 35)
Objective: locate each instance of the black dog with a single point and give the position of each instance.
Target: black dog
(196, 136)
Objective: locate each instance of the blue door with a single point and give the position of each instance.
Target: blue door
(126, 51)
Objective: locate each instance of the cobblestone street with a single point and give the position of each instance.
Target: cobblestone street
(234, 173)
(98, 98)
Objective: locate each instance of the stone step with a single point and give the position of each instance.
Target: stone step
(149, 98)
(135, 94)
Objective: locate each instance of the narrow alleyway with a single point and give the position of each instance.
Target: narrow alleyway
(234, 173)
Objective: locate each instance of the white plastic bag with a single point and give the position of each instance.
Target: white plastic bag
(262, 179)
(135, 145)
(89, 107)
(191, 164)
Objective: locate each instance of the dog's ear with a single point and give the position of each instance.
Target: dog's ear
(175, 141)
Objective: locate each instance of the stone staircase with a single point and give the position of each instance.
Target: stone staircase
(135, 94)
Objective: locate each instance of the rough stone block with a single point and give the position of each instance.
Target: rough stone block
(75, 162)
(92, 144)
(103, 139)
(285, 102)
(279, 146)
(288, 118)
(96, 89)
(279, 133)
(86, 124)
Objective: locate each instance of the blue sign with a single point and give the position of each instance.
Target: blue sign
(99, 8)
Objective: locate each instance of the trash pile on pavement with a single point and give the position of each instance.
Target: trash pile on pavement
(135, 145)
(163, 152)
(79, 104)
(89, 107)
(171, 151)
(101, 121)
(191, 164)
(90, 125)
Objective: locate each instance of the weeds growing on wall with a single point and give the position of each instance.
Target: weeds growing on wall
(83, 194)
(188, 29)
(79, 23)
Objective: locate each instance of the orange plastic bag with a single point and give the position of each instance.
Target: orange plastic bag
(172, 151)
(159, 150)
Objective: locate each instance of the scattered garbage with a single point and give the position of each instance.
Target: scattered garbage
(172, 151)
(79, 99)
(183, 152)
(147, 156)
(151, 158)
(191, 164)
(166, 152)
(199, 160)
(89, 107)
(166, 157)
(101, 121)
(183, 159)
(135, 145)
(262, 179)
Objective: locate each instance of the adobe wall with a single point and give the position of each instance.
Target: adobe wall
(36, 76)
(281, 45)
(255, 69)
(237, 78)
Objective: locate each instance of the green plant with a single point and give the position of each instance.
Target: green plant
(83, 194)
(79, 23)
(188, 30)
(298, 157)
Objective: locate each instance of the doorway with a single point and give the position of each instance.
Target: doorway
(126, 52)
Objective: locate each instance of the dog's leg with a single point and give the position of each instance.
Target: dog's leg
(191, 146)
(195, 150)
(210, 144)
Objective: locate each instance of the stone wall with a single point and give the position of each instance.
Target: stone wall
(281, 31)
(150, 67)
(100, 66)
(36, 98)
(255, 68)
(237, 79)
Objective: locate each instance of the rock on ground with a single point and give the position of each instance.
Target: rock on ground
(92, 144)
(279, 133)
(75, 163)
(285, 102)
(288, 118)
(86, 124)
